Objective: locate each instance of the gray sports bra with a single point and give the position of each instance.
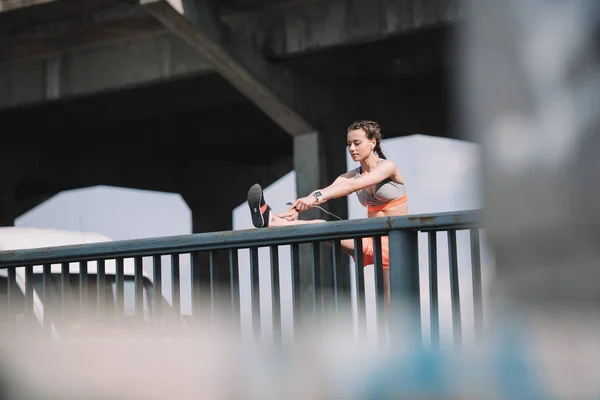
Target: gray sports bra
(385, 191)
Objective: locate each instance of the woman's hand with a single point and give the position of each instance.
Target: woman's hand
(304, 203)
(290, 215)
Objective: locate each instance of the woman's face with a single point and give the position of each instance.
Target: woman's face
(359, 146)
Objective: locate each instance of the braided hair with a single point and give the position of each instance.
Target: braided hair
(373, 131)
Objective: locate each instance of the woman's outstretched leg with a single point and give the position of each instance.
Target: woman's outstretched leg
(262, 217)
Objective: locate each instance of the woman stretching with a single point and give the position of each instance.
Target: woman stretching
(377, 182)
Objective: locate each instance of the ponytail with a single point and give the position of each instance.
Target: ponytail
(379, 152)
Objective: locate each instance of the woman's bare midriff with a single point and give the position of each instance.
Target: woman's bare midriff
(400, 209)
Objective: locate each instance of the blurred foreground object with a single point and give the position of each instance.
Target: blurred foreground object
(531, 83)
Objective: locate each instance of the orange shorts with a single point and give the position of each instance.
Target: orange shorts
(368, 252)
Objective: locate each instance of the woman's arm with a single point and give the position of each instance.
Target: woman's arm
(346, 176)
(292, 213)
(348, 186)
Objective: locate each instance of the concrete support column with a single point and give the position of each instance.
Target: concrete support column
(210, 215)
(308, 164)
(319, 158)
(7, 217)
(211, 219)
(7, 207)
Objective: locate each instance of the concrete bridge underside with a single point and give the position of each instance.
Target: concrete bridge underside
(205, 98)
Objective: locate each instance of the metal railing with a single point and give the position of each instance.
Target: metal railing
(108, 280)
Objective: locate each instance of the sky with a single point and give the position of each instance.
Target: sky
(441, 175)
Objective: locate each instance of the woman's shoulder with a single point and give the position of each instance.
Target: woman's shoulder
(383, 161)
(351, 173)
(388, 164)
(392, 169)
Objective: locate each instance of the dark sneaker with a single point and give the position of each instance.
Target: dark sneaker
(259, 210)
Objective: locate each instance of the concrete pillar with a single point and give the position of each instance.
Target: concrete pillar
(319, 158)
(210, 214)
(7, 207)
(207, 218)
(7, 218)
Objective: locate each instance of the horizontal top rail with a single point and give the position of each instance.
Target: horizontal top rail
(239, 238)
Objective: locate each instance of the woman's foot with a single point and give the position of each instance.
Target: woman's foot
(259, 210)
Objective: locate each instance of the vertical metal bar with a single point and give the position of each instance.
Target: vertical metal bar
(139, 287)
(13, 291)
(275, 294)
(296, 284)
(224, 279)
(120, 288)
(433, 291)
(454, 288)
(157, 275)
(101, 284)
(47, 301)
(359, 275)
(477, 288)
(29, 310)
(404, 283)
(196, 289)
(83, 287)
(65, 290)
(234, 287)
(213, 278)
(379, 289)
(254, 291)
(337, 274)
(317, 302)
(175, 285)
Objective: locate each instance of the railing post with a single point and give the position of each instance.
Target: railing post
(138, 289)
(434, 317)
(157, 274)
(234, 289)
(255, 292)
(476, 279)
(341, 282)
(101, 290)
(296, 286)
(380, 290)
(175, 285)
(120, 289)
(454, 288)
(359, 281)
(275, 294)
(405, 318)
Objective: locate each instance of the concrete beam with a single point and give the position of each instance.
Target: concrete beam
(7, 5)
(277, 92)
(317, 25)
(112, 60)
(116, 66)
(54, 27)
(279, 32)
